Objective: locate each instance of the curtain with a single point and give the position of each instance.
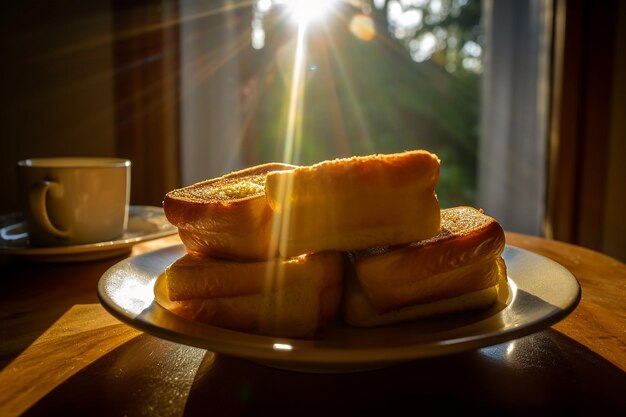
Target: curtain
(512, 165)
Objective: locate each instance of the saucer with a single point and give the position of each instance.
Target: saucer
(144, 223)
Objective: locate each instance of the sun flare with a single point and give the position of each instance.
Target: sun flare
(305, 11)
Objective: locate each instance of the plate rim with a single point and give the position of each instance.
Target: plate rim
(247, 345)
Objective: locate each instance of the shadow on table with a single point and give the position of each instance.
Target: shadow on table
(544, 374)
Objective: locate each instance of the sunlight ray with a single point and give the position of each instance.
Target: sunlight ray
(209, 69)
(293, 134)
(294, 113)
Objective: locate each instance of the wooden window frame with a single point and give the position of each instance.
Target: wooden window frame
(147, 109)
(581, 119)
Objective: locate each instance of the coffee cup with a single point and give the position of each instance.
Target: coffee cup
(74, 201)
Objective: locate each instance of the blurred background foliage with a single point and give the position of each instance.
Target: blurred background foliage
(380, 89)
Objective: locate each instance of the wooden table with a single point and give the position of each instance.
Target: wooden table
(61, 353)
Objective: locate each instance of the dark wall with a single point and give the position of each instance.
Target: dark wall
(56, 83)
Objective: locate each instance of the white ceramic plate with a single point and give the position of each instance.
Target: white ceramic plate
(144, 223)
(540, 293)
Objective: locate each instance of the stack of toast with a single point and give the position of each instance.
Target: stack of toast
(282, 250)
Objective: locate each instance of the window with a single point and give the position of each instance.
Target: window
(278, 82)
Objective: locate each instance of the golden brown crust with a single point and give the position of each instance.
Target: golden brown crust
(222, 217)
(359, 311)
(193, 277)
(356, 203)
(468, 240)
(406, 253)
(346, 175)
(286, 297)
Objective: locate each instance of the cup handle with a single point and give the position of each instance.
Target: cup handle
(38, 206)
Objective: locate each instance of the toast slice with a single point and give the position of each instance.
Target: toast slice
(292, 297)
(400, 282)
(359, 311)
(356, 203)
(226, 216)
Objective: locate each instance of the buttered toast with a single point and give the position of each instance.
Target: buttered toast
(268, 247)
(356, 203)
(459, 269)
(281, 297)
(227, 216)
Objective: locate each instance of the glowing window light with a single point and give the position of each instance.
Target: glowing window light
(472, 49)
(423, 47)
(264, 6)
(304, 11)
(258, 38)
